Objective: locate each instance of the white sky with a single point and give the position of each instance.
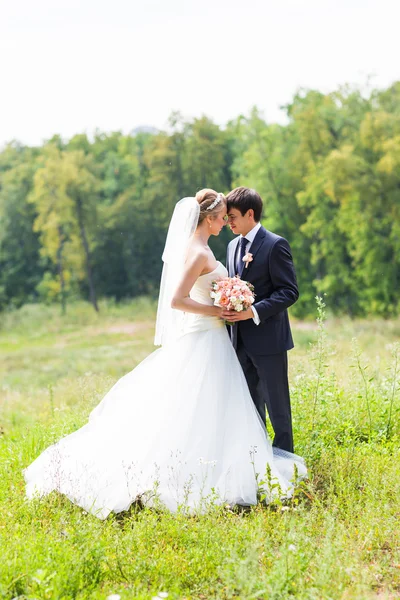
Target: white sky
(69, 66)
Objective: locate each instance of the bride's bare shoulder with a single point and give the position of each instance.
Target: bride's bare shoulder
(196, 252)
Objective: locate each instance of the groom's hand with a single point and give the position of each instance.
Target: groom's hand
(233, 316)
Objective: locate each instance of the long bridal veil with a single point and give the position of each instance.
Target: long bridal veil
(169, 323)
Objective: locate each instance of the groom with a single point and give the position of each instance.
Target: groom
(261, 335)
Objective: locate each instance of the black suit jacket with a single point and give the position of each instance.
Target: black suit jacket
(274, 278)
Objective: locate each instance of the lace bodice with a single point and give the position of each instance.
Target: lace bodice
(200, 292)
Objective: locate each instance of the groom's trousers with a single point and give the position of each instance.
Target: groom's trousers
(267, 378)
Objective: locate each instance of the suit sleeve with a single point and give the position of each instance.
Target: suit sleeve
(284, 282)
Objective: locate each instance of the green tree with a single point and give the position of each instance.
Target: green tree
(21, 267)
(64, 193)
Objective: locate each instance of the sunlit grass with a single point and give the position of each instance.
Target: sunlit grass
(338, 539)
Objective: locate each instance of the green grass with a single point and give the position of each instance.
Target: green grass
(337, 539)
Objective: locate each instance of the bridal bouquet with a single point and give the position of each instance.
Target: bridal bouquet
(232, 293)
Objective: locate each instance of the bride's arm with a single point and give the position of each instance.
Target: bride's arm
(181, 300)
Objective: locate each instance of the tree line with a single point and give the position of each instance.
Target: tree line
(88, 217)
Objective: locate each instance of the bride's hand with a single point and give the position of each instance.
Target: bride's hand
(218, 311)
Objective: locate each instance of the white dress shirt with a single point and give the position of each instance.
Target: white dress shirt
(250, 237)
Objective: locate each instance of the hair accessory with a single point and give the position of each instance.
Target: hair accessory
(216, 201)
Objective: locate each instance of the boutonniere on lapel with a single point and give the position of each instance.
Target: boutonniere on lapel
(247, 258)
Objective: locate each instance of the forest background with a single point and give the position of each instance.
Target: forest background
(86, 218)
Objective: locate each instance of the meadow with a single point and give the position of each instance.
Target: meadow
(338, 538)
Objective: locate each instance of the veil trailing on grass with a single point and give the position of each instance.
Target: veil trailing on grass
(169, 323)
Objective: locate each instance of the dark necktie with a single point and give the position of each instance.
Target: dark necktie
(243, 243)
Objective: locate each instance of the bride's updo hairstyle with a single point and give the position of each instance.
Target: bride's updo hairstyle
(211, 202)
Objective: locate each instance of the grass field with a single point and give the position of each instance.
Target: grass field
(338, 538)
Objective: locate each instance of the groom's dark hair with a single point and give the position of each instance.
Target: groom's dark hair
(243, 199)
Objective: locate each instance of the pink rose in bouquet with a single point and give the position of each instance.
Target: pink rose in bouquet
(232, 293)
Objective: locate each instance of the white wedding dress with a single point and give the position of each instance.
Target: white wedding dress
(180, 430)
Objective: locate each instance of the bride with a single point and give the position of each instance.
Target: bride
(181, 429)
